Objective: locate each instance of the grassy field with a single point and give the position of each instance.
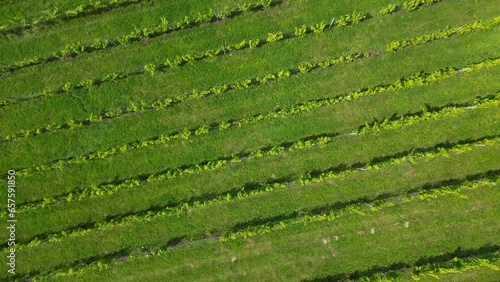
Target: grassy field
(283, 140)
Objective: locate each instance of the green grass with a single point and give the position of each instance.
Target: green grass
(105, 136)
(227, 178)
(225, 143)
(280, 168)
(108, 24)
(119, 236)
(235, 31)
(191, 41)
(74, 103)
(211, 149)
(299, 253)
(79, 193)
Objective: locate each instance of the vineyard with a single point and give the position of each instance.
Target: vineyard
(250, 140)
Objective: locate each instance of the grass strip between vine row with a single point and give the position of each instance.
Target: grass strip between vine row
(425, 193)
(392, 123)
(239, 193)
(48, 18)
(418, 79)
(178, 61)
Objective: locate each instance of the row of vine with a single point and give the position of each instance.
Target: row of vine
(426, 154)
(48, 18)
(456, 265)
(468, 28)
(361, 208)
(358, 208)
(153, 68)
(418, 79)
(79, 194)
(139, 34)
(164, 103)
(457, 261)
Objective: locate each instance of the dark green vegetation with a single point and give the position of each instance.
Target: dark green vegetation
(293, 140)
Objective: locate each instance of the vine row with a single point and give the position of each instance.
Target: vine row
(451, 262)
(457, 265)
(413, 5)
(49, 18)
(392, 123)
(75, 49)
(412, 157)
(246, 191)
(358, 208)
(418, 79)
(164, 103)
(153, 68)
(468, 28)
(316, 215)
